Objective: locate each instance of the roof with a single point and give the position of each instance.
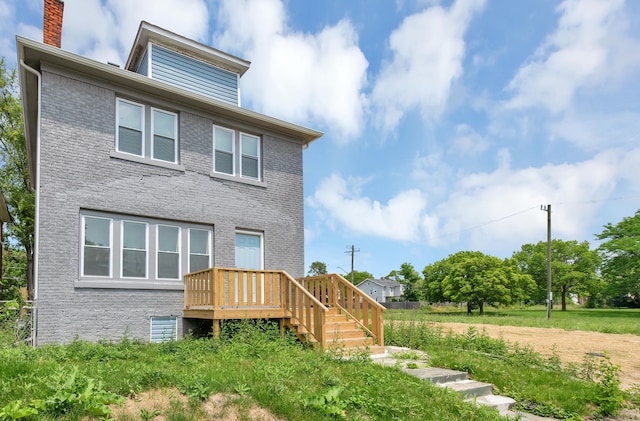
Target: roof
(382, 282)
(34, 53)
(148, 32)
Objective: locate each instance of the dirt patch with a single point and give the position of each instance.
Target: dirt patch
(156, 404)
(569, 345)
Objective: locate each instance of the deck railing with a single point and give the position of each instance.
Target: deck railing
(334, 290)
(245, 289)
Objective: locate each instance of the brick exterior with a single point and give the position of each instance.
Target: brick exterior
(52, 26)
(77, 172)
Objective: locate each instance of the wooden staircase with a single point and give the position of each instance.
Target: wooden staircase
(342, 334)
(325, 310)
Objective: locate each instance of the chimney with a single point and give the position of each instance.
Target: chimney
(52, 27)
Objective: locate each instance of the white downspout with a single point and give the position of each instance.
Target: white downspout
(36, 233)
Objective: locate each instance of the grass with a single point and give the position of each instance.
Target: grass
(575, 318)
(258, 366)
(295, 383)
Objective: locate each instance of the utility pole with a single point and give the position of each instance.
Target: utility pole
(353, 250)
(549, 295)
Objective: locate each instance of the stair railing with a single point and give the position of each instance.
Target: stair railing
(305, 309)
(335, 291)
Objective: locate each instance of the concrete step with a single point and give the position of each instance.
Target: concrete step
(437, 375)
(502, 403)
(469, 388)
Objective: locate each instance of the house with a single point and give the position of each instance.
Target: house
(382, 290)
(161, 203)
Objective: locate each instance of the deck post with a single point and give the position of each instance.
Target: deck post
(216, 328)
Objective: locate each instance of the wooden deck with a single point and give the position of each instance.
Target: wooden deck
(322, 309)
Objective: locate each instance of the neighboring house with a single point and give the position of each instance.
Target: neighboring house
(381, 290)
(145, 173)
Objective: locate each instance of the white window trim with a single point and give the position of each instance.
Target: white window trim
(233, 151)
(259, 157)
(158, 251)
(82, 245)
(146, 250)
(175, 135)
(142, 125)
(257, 234)
(198, 254)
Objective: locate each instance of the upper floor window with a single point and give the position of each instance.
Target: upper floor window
(135, 120)
(226, 160)
(250, 162)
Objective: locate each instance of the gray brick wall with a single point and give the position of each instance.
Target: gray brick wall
(77, 172)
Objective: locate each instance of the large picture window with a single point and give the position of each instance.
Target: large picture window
(135, 120)
(227, 160)
(141, 251)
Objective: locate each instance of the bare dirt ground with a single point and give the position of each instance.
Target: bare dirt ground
(570, 346)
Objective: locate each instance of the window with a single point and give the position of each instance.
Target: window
(199, 256)
(223, 145)
(130, 128)
(168, 252)
(250, 162)
(96, 242)
(246, 164)
(133, 119)
(127, 251)
(248, 250)
(165, 136)
(134, 249)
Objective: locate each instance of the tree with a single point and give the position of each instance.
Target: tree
(317, 268)
(14, 169)
(621, 259)
(475, 278)
(411, 280)
(14, 277)
(358, 276)
(573, 268)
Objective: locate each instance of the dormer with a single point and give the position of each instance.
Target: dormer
(182, 62)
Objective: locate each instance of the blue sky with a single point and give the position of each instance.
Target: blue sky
(447, 123)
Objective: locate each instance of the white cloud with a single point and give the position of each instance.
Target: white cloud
(467, 141)
(294, 75)
(105, 31)
(428, 49)
(398, 219)
(597, 131)
(589, 48)
(486, 207)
